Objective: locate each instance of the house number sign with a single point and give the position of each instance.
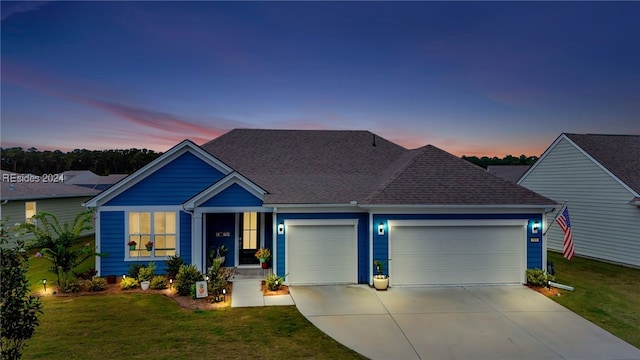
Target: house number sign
(223, 234)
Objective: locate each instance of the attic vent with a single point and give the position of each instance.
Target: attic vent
(374, 139)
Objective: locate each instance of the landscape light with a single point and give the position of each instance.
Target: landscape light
(44, 283)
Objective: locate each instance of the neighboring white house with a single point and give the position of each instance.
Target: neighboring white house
(599, 177)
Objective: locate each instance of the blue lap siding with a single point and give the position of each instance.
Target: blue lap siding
(234, 195)
(173, 184)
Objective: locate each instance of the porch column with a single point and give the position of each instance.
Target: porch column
(196, 240)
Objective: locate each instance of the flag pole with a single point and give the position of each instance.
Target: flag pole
(564, 204)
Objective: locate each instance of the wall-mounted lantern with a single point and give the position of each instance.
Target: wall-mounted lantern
(535, 227)
(280, 228)
(381, 229)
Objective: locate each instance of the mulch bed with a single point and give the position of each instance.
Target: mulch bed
(548, 292)
(184, 301)
(284, 290)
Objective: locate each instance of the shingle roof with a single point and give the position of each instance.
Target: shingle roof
(307, 166)
(620, 154)
(325, 166)
(433, 176)
(40, 190)
(508, 172)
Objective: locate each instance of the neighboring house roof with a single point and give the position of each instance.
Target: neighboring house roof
(325, 166)
(88, 179)
(32, 190)
(508, 172)
(619, 154)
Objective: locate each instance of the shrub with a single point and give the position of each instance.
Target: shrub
(87, 275)
(537, 277)
(128, 283)
(70, 286)
(173, 266)
(187, 276)
(218, 277)
(97, 284)
(134, 270)
(273, 282)
(146, 272)
(158, 283)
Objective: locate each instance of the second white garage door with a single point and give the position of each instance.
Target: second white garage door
(321, 251)
(456, 252)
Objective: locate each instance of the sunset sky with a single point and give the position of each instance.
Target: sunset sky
(473, 78)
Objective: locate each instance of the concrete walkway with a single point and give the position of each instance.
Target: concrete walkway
(492, 322)
(247, 293)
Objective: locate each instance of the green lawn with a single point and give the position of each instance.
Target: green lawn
(607, 295)
(145, 326)
(140, 326)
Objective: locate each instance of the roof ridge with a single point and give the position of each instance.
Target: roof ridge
(398, 172)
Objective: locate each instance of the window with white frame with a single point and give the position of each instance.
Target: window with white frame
(29, 211)
(152, 234)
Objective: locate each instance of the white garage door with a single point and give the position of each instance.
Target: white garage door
(321, 252)
(456, 254)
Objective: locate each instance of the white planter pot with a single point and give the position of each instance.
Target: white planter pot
(380, 282)
(145, 285)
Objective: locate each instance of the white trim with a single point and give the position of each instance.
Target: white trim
(371, 248)
(233, 209)
(97, 239)
(196, 240)
(523, 223)
(220, 186)
(172, 154)
(128, 258)
(321, 222)
(460, 222)
(142, 208)
(274, 240)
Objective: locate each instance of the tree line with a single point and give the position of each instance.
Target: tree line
(105, 162)
(485, 161)
(101, 162)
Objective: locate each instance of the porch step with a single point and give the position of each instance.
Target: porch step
(250, 273)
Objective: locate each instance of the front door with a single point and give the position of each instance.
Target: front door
(249, 238)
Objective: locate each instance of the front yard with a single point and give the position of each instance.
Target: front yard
(607, 295)
(141, 326)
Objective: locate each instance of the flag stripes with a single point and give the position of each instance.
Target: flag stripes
(565, 224)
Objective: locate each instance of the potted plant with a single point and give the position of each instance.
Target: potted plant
(149, 245)
(380, 280)
(132, 245)
(221, 251)
(145, 274)
(263, 255)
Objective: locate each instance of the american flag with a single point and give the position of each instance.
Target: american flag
(565, 224)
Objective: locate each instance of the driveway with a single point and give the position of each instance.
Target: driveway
(485, 322)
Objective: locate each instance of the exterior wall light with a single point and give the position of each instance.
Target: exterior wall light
(381, 229)
(281, 228)
(535, 227)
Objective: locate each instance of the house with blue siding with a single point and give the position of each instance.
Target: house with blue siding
(327, 203)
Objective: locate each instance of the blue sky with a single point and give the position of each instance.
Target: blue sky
(473, 78)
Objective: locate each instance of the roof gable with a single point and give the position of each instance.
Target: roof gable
(617, 155)
(234, 187)
(148, 171)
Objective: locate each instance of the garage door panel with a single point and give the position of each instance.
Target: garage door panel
(321, 254)
(456, 255)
